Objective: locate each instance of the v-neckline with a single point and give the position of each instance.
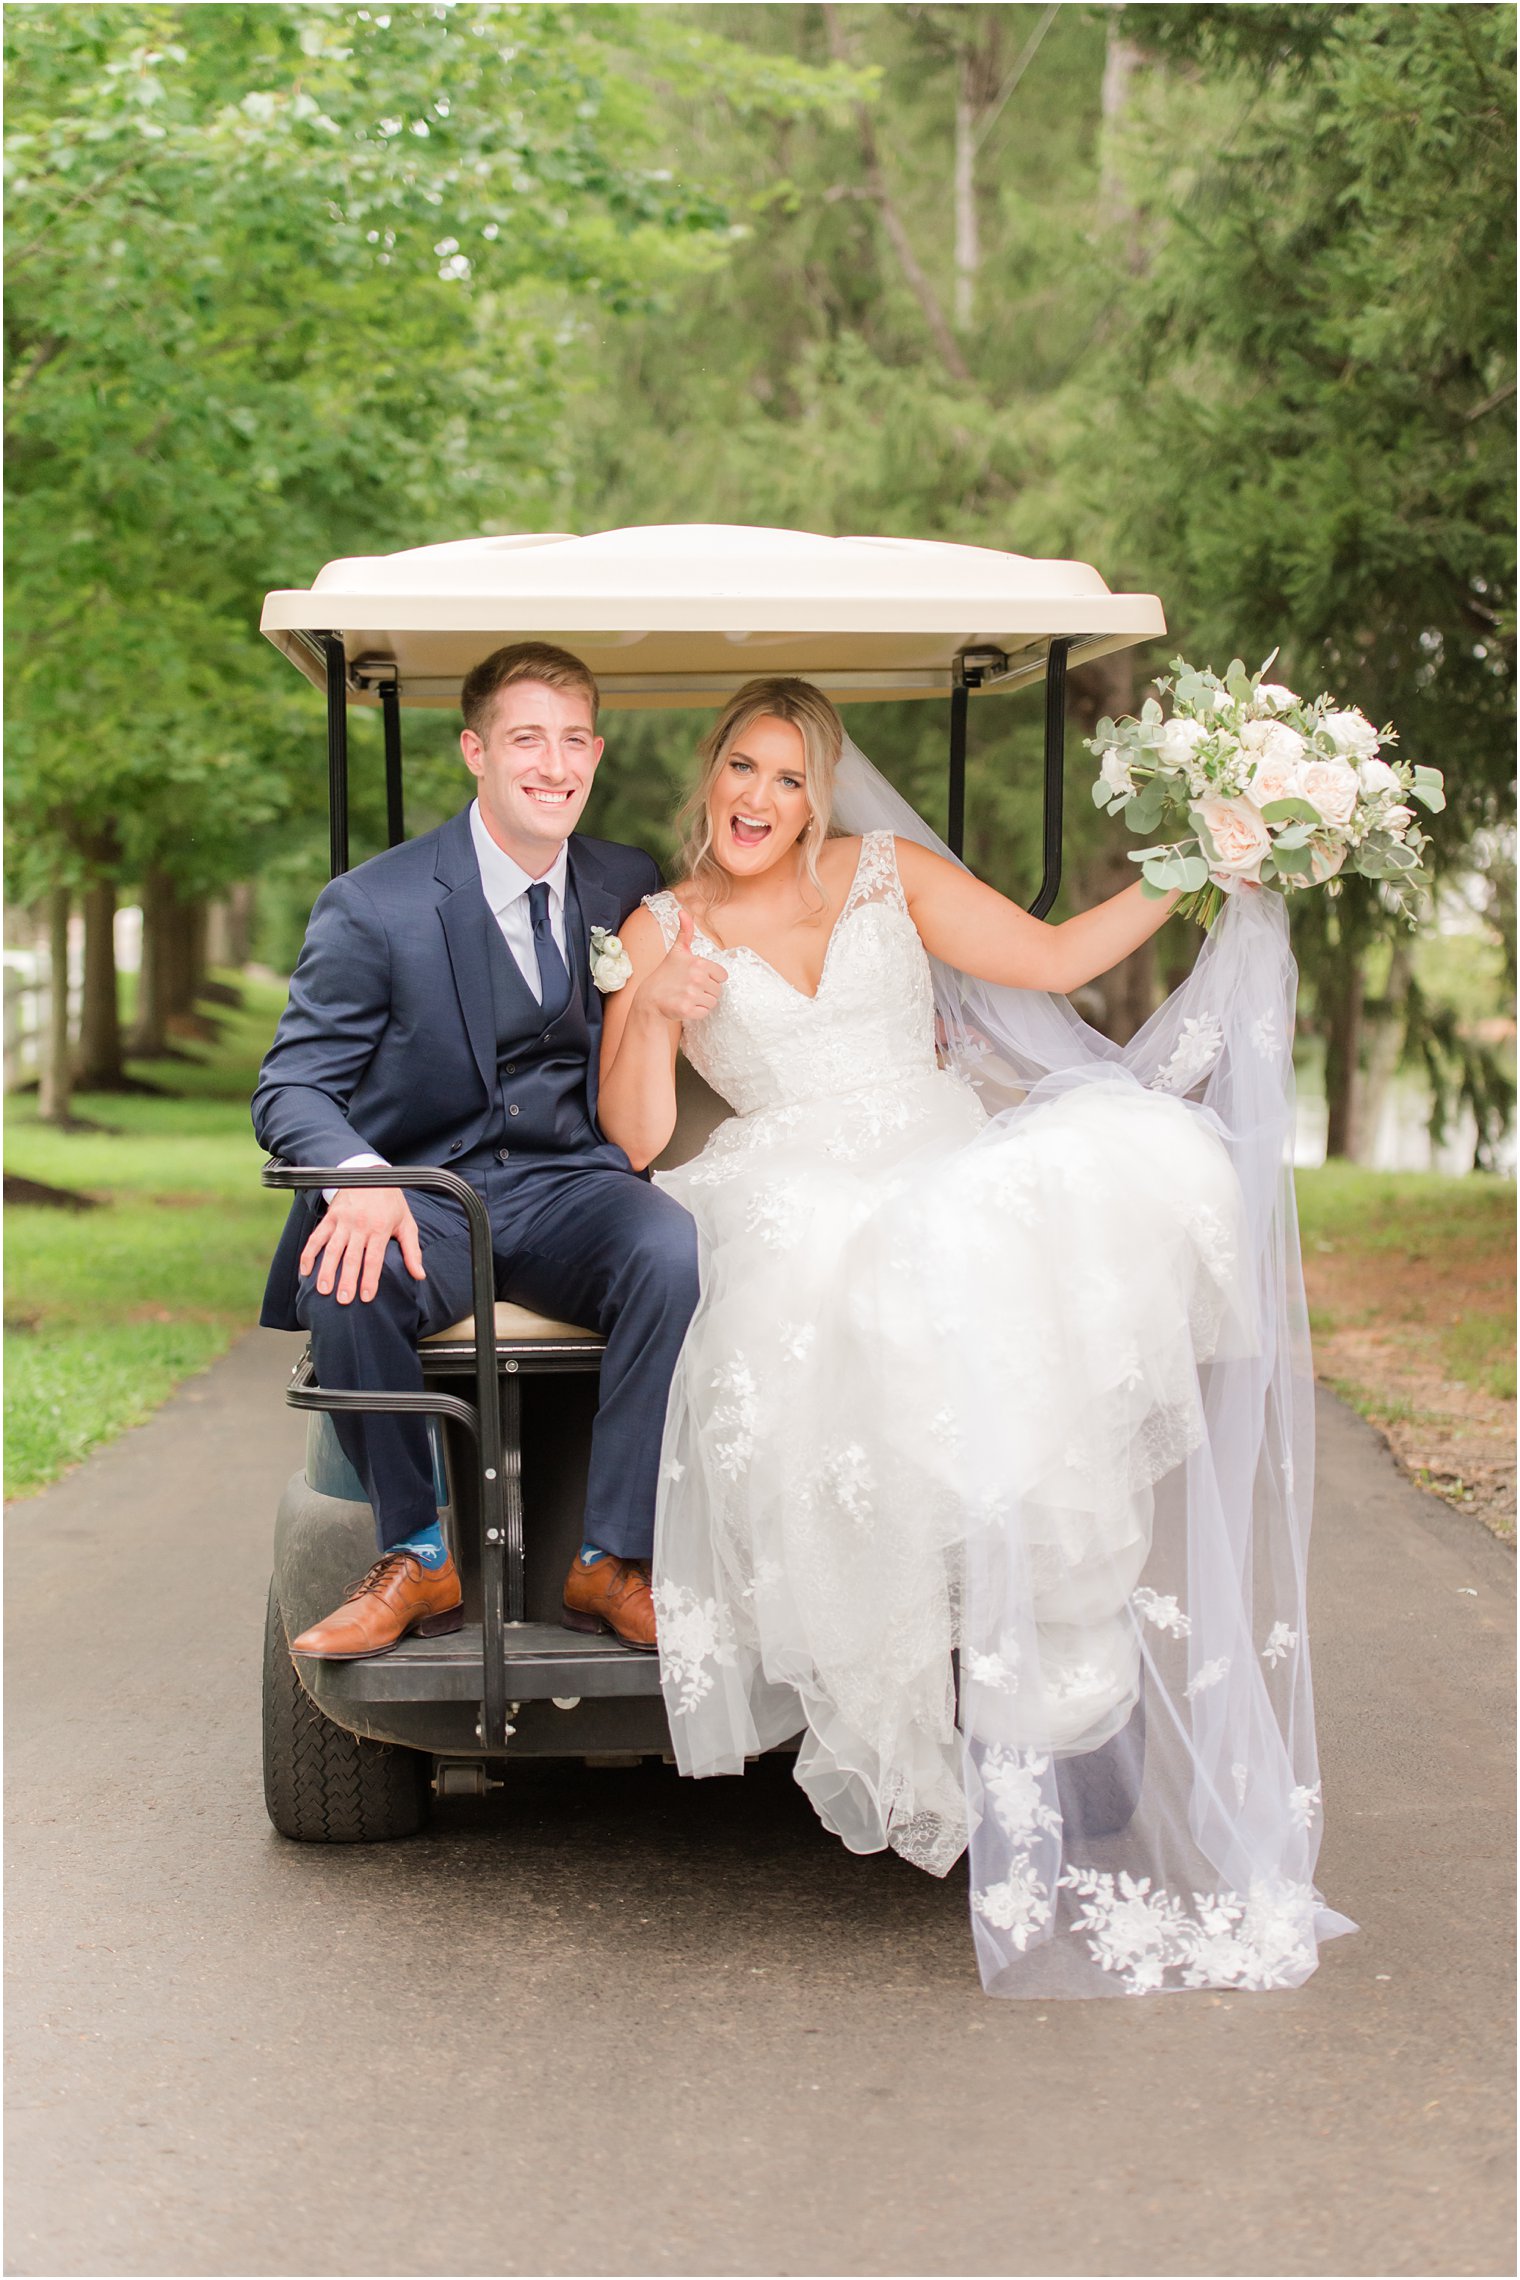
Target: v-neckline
(807, 997)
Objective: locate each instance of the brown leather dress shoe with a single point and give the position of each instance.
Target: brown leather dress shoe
(397, 1596)
(611, 1595)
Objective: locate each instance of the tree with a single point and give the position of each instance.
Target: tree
(284, 282)
(1311, 395)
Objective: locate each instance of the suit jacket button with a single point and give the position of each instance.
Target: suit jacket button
(514, 1111)
(502, 1154)
(455, 1146)
(511, 1069)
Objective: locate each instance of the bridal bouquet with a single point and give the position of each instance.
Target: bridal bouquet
(1260, 788)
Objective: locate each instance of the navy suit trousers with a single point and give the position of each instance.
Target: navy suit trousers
(583, 1240)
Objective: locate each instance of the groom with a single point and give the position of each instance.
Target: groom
(444, 1012)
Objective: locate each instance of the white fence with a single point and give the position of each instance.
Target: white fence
(29, 986)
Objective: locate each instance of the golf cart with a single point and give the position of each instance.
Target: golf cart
(671, 617)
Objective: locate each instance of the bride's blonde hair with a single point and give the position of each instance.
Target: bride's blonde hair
(779, 697)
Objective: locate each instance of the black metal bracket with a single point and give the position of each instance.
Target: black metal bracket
(1055, 772)
(500, 1484)
(973, 669)
(390, 708)
(337, 758)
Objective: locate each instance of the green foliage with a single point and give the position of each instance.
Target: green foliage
(1312, 390)
(107, 1310)
(287, 282)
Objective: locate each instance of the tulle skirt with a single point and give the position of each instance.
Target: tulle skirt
(940, 1364)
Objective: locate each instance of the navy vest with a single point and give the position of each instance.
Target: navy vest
(541, 1072)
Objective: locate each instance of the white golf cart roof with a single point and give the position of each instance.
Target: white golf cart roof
(683, 613)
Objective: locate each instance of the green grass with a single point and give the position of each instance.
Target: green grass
(107, 1310)
(1440, 1227)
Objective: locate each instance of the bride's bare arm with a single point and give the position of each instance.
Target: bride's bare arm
(641, 1031)
(972, 926)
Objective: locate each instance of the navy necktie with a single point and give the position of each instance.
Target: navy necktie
(553, 980)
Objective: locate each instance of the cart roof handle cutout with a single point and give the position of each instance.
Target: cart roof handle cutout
(676, 616)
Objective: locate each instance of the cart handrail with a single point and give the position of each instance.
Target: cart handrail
(501, 1553)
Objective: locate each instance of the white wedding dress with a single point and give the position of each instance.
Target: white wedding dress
(946, 1386)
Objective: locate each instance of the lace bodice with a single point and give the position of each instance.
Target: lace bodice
(871, 1025)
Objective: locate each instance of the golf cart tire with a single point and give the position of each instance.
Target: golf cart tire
(322, 1784)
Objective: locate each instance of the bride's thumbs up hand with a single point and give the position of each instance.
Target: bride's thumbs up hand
(684, 987)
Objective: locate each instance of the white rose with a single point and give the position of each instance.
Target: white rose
(1180, 739)
(1282, 743)
(1240, 837)
(1254, 735)
(1273, 693)
(1115, 770)
(1274, 780)
(1331, 787)
(611, 965)
(1376, 776)
(1398, 819)
(1351, 732)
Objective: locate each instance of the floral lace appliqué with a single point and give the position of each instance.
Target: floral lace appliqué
(1197, 1049)
(696, 1640)
(1012, 1780)
(1019, 1905)
(1163, 1612)
(1260, 1940)
(1280, 1642)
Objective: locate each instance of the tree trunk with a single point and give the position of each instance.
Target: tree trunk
(150, 1038)
(55, 1085)
(1343, 1017)
(1386, 1026)
(892, 222)
(967, 248)
(219, 932)
(240, 918)
(100, 1063)
(1116, 209)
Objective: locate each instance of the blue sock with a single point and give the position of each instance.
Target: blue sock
(590, 1554)
(427, 1545)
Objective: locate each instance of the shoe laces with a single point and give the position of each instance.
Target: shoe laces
(382, 1571)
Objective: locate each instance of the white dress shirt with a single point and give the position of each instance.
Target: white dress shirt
(505, 885)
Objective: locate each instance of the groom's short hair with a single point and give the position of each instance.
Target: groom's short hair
(524, 661)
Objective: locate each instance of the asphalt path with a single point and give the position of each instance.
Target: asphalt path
(607, 2022)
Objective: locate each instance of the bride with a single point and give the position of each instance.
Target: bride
(979, 1465)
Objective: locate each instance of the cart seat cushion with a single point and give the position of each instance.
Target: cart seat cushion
(513, 1324)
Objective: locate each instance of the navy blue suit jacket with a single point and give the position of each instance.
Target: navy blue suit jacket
(388, 1041)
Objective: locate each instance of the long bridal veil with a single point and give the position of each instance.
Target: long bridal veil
(1167, 1837)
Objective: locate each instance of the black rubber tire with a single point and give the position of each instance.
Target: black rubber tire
(322, 1784)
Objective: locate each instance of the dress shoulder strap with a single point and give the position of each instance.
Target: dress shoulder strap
(667, 914)
(876, 877)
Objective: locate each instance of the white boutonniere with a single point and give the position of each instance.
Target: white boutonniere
(611, 965)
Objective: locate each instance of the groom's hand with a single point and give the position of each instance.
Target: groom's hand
(684, 987)
(351, 1241)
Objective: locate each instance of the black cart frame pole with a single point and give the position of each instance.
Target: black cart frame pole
(337, 755)
(390, 709)
(955, 821)
(501, 1532)
(1055, 773)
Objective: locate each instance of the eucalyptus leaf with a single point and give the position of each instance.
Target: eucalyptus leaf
(1291, 810)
